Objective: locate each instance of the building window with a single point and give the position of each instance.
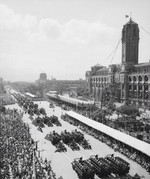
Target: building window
(146, 88)
(145, 78)
(145, 70)
(134, 94)
(134, 78)
(130, 79)
(140, 78)
(140, 87)
(130, 95)
(146, 96)
(140, 95)
(134, 87)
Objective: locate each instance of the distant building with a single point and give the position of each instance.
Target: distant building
(69, 86)
(43, 76)
(1, 85)
(31, 96)
(132, 79)
(66, 85)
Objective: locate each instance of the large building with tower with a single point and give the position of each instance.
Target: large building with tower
(131, 79)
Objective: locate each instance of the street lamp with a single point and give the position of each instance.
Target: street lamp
(34, 171)
(39, 151)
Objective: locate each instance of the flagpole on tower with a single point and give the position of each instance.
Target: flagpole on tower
(130, 15)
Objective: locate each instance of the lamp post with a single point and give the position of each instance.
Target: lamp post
(101, 107)
(39, 152)
(34, 171)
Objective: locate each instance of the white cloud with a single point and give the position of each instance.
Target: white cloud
(76, 31)
(51, 28)
(30, 43)
(100, 33)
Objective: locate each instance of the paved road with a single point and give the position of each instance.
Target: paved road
(61, 162)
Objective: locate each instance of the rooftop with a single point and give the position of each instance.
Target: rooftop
(142, 64)
(130, 22)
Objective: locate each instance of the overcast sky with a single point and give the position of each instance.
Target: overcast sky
(64, 38)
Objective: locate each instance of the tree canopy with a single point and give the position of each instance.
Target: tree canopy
(128, 110)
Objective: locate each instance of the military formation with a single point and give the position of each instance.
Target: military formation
(102, 167)
(95, 166)
(32, 109)
(73, 139)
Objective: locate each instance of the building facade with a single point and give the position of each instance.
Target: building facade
(131, 79)
(62, 86)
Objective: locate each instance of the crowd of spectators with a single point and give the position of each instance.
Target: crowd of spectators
(18, 151)
(129, 152)
(6, 99)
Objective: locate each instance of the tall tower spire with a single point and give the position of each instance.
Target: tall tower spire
(130, 42)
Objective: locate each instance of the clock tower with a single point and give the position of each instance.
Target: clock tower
(130, 43)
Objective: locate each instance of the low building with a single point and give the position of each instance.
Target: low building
(31, 96)
(1, 85)
(62, 86)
